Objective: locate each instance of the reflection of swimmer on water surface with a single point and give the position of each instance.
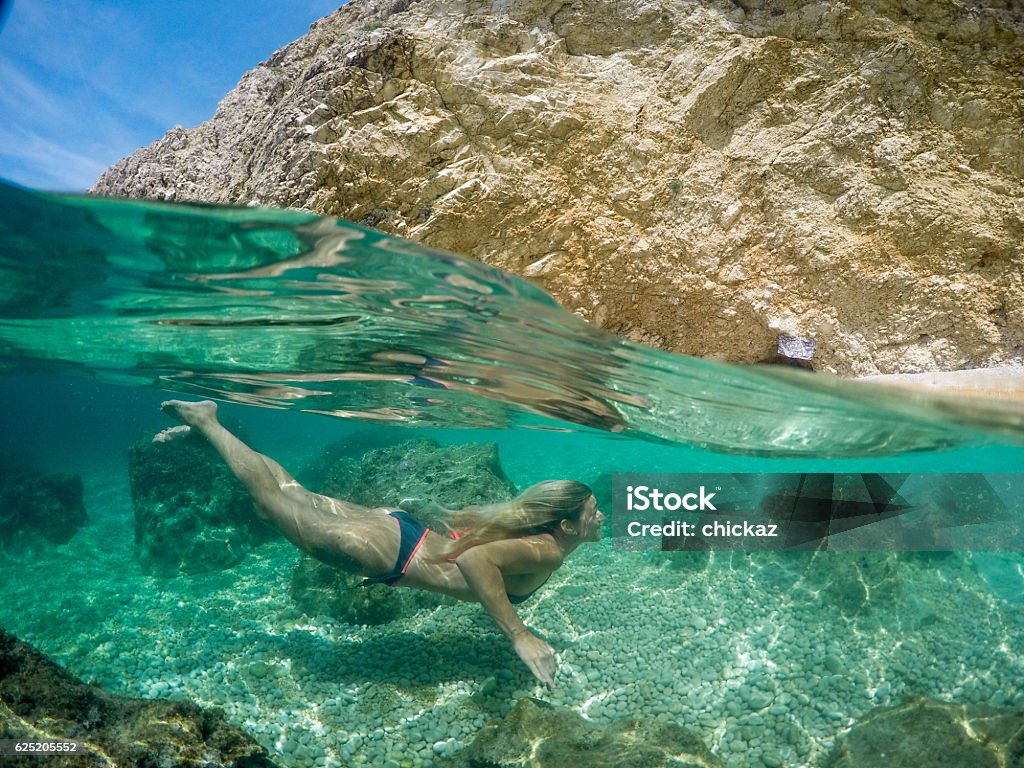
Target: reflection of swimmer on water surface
(493, 381)
(497, 555)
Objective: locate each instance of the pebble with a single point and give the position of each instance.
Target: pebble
(833, 664)
(758, 700)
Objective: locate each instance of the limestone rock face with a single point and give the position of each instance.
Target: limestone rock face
(703, 177)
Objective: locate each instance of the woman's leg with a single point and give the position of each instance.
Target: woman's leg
(341, 534)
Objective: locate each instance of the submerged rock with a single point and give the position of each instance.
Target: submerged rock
(702, 177)
(191, 514)
(933, 733)
(538, 735)
(38, 510)
(39, 700)
(319, 590)
(422, 477)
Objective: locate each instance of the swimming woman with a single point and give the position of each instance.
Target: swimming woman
(497, 555)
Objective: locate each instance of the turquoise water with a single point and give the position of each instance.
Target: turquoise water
(282, 309)
(310, 331)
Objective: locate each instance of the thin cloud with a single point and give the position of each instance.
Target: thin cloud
(46, 164)
(20, 94)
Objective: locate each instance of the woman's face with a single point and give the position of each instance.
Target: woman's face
(589, 523)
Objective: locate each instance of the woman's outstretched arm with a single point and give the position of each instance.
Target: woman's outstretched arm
(484, 568)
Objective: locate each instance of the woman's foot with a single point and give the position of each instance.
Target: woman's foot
(172, 433)
(192, 414)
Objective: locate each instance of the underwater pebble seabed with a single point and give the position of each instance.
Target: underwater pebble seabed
(767, 669)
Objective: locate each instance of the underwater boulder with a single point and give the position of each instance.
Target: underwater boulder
(319, 590)
(315, 473)
(191, 514)
(36, 510)
(40, 700)
(540, 735)
(932, 733)
(420, 476)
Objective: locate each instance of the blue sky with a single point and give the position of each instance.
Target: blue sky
(84, 83)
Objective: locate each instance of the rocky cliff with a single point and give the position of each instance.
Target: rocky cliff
(700, 176)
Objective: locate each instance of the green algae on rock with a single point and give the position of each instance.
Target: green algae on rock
(924, 732)
(422, 477)
(37, 510)
(319, 590)
(191, 514)
(538, 735)
(39, 700)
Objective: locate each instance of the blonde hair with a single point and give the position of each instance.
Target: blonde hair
(538, 509)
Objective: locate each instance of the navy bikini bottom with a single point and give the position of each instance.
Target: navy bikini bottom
(413, 532)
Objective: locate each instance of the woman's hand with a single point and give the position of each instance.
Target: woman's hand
(485, 566)
(538, 656)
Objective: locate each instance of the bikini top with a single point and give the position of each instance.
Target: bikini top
(517, 599)
(514, 599)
